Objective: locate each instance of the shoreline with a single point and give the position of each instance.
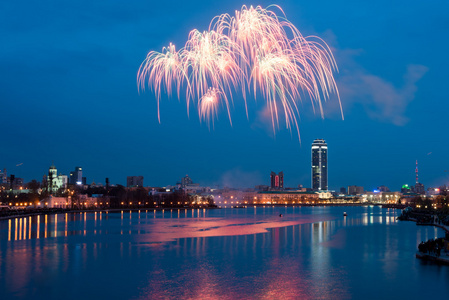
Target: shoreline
(55, 211)
(428, 256)
(444, 227)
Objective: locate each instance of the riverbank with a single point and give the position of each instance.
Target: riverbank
(433, 257)
(433, 253)
(12, 214)
(54, 211)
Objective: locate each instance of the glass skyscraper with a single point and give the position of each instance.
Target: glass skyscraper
(319, 165)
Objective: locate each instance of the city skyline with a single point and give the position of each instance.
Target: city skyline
(83, 109)
(275, 181)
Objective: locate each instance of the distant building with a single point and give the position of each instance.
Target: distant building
(383, 188)
(76, 177)
(279, 197)
(17, 183)
(343, 190)
(261, 187)
(53, 181)
(3, 176)
(185, 181)
(277, 181)
(419, 188)
(319, 165)
(405, 189)
(432, 192)
(355, 190)
(134, 181)
(383, 197)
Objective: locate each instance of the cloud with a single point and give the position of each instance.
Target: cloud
(381, 99)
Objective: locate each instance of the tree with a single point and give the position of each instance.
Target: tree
(34, 186)
(50, 183)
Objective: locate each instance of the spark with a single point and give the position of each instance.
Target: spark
(253, 52)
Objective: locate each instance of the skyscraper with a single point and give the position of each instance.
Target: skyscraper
(319, 165)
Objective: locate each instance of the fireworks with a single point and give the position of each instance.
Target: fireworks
(256, 52)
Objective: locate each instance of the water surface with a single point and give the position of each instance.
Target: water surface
(251, 253)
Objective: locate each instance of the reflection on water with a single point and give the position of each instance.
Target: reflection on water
(310, 253)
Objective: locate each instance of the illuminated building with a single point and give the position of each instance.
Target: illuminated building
(319, 165)
(383, 197)
(280, 197)
(76, 177)
(405, 189)
(57, 181)
(277, 181)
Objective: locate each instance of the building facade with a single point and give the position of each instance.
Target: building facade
(280, 197)
(355, 190)
(186, 181)
(76, 177)
(383, 197)
(54, 181)
(3, 176)
(277, 181)
(134, 181)
(319, 165)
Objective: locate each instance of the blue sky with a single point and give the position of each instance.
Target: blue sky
(68, 94)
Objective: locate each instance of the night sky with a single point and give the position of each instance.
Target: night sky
(68, 94)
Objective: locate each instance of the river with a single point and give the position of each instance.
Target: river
(246, 253)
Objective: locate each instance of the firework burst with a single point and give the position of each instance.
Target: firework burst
(208, 105)
(257, 52)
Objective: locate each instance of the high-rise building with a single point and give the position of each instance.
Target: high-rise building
(185, 181)
(319, 165)
(277, 181)
(76, 177)
(134, 181)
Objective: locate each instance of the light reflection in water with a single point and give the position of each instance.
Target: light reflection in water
(38, 226)
(9, 230)
(56, 225)
(229, 254)
(66, 224)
